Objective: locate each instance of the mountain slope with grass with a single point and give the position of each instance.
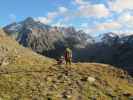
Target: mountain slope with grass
(12, 53)
(25, 75)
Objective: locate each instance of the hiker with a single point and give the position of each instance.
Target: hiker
(68, 56)
(60, 61)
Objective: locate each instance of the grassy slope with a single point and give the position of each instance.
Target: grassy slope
(12, 52)
(29, 76)
(56, 82)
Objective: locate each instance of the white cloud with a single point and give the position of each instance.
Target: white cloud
(103, 27)
(43, 20)
(81, 2)
(126, 19)
(97, 10)
(86, 9)
(47, 19)
(84, 25)
(52, 15)
(110, 26)
(63, 9)
(121, 5)
(123, 25)
(12, 17)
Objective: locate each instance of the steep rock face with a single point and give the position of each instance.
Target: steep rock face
(109, 38)
(45, 39)
(39, 40)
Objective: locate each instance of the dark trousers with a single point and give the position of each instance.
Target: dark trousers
(68, 61)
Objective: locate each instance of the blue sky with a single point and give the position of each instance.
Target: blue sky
(93, 16)
(20, 9)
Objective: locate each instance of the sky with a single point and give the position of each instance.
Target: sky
(92, 16)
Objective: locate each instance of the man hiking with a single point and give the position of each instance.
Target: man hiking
(68, 56)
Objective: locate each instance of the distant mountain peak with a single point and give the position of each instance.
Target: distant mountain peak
(29, 19)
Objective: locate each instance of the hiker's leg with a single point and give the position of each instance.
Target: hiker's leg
(66, 62)
(70, 61)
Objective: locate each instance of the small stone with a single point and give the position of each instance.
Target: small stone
(109, 92)
(91, 79)
(5, 63)
(126, 94)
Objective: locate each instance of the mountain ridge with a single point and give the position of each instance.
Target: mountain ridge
(41, 37)
(51, 42)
